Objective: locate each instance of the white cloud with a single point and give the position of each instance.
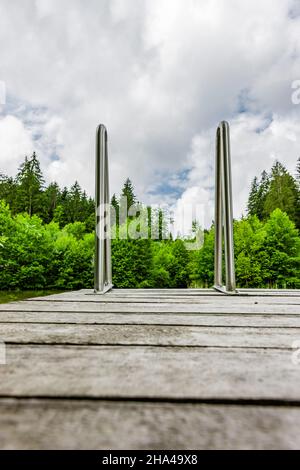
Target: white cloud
(256, 143)
(15, 142)
(160, 74)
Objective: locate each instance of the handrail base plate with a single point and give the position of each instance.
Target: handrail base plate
(107, 288)
(223, 290)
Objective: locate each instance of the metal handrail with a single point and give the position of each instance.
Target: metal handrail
(224, 212)
(103, 270)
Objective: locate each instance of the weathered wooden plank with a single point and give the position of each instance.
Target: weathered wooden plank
(144, 292)
(119, 372)
(215, 300)
(198, 290)
(62, 424)
(190, 292)
(223, 355)
(148, 307)
(177, 295)
(22, 333)
(195, 295)
(185, 319)
(271, 292)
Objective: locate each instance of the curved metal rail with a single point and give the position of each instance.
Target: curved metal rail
(103, 271)
(224, 213)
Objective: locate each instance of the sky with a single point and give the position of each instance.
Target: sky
(161, 75)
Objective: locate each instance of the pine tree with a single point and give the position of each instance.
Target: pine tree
(74, 203)
(115, 213)
(262, 192)
(252, 205)
(128, 192)
(257, 196)
(30, 183)
(64, 195)
(52, 198)
(282, 249)
(90, 219)
(297, 177)
(163, 224)
(282, 193)
(8, 191)
(60, 214)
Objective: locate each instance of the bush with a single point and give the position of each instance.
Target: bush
(34, 255)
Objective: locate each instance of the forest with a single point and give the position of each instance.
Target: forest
(47, 238)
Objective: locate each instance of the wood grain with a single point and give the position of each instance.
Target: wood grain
(85, 424)
(22, 333)
(151, 369)
(146, 318)
(125, 371)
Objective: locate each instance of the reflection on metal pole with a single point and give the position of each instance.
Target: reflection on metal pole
(103, 270)
(224, 212)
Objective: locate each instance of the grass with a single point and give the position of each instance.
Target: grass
(10, 296)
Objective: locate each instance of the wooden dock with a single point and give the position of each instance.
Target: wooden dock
(151, 369)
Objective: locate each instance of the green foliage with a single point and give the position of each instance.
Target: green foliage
(170, 260)
(34, 255)
(29, 186)
(282, 250)
(8, 188)
(128, 193)
(51, 201)
(282, 193)
(25, 252)
(47, 238)
(115, 211)
(75, 269)
(258, 194)
(279, 190)
(27, 193)
(249, 236)
(77, 229)
(131, 261)
(267, 254)
(204, 266)
(297, 176)
(252, 207)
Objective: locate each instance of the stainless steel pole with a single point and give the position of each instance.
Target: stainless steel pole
(218, 212)
(108, 265)
(227, 210)
(223, 211)
(103, 277)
